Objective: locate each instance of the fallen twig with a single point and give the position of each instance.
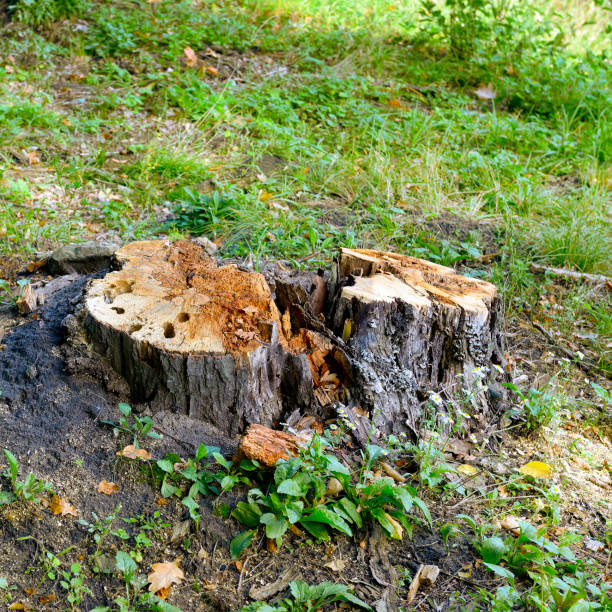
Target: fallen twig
(598, 279)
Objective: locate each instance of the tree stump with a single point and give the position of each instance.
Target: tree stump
(218, 344)
(193, 337)
(413, 328)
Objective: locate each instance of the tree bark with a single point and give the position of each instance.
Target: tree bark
(217, 344)
(413, 328)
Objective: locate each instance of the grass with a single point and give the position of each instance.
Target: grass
(367, 111)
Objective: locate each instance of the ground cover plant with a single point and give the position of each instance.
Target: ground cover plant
(473, 133)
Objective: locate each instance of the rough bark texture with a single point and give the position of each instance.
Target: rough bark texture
(217, 344)
(193, 337)
(411, 328)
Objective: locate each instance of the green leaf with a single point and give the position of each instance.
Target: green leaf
(499, 570)
(167, 489)
(323, 514)
(221, 460)
(13, 464)
(247, 514)
(125, 563)
(6, 497)
(403, 496)
(241, 542)
(165, 465)
(318, 530)
(125, 409)
(3, 583)
(422, 506)
(275, 527)
(291, 487)
(349, 507)
(335, 467)
(492, 550)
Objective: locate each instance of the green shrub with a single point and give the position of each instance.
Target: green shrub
(39, 12)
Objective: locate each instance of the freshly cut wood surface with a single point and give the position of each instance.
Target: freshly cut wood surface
(176, 299)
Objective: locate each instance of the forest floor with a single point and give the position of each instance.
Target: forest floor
(283, 130)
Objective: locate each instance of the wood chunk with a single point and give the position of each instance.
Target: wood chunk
(267, 445)
(26, 302)
(425, 577)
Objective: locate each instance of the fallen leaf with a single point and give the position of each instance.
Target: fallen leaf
(336, 565)
(395, 103)
(468, 470)
(485, 93)
(536, 469)
(164, 575)
(593, 545)
(581, 463)
(17, 606)
(425, 577)
(35, 265)
(131, 452)
(511, 524)
(163, 593)
(212, 70)
(466, 570)
(271, 546)
(61, 506)
(33, 158)
(45, 599)
(238, 565)
(108, 488)
(191, 59)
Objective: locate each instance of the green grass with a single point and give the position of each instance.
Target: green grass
(368, 109)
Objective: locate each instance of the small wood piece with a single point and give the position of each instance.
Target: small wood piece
(267, 445)
(26, 302)
(425, 577)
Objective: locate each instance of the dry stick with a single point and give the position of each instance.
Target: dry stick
(573, 274)
(486, 499)
(242, 573)
(585, 366)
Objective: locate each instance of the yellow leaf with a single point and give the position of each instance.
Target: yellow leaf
(398, 530)
(108, 488)
(536, 469)
(164, 575)
(131, 452)
(61, 506)
(468, 470)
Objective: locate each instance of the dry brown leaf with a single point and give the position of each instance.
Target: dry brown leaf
(33, 158)
(395, 103)
(212, 70)
(164, 575)
(511, 524)
(61, 506)
(17, 606)
(581, 463)
(336, 565)
(131, 452)
(425, 576)
(45, 599)
(191, 59)
(108, 488)
(271, 546)
(163, 593)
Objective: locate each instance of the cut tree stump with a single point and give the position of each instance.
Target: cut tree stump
(220, 344)
(413, 328)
